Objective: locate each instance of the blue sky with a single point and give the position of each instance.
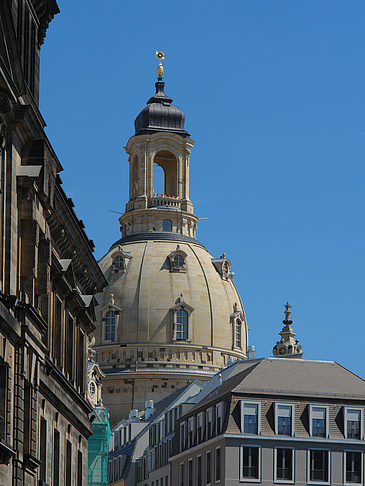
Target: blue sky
(273, 94)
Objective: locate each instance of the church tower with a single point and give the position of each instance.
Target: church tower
(171, 313)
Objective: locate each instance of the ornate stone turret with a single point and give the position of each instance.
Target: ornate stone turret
(288, 347)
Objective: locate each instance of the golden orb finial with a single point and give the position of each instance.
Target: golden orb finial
(160, 55)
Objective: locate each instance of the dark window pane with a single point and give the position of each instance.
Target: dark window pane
(353, 467)
(284, 425)
(208, 467)
(319, 427)
(319, 466)
(250, 424)
(284, 464)
(250, 465)
(217, 464)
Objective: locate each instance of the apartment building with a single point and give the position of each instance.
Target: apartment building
(286, 420)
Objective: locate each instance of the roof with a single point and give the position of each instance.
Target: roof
(160, 115)
(162, 405)
(288, 376)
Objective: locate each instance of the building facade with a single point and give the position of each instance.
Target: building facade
(48, 277)
(171, 313)
(279, 421)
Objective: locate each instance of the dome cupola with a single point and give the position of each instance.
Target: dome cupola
(160, 115)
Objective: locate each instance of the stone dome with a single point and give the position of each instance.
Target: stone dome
(160, 114)
(147, 291)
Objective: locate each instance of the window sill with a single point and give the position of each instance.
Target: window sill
(250, 480)
(284, 481)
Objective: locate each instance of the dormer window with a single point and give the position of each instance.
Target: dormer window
(223, 267)
(110, 320)
(181, 320)
(178, 260)
(236, 318)
(167, 225)
(110, 326)
(120, 260)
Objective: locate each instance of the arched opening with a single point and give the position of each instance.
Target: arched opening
(168, 162)
(158, 179)
(134, 177)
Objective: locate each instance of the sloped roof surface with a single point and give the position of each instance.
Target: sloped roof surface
(281, 376)
(302, 377)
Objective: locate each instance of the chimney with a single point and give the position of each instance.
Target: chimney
(133, 416)
(149, 409)
(251, 352)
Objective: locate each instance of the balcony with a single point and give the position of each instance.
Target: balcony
(163, 201)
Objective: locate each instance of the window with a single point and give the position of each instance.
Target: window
(284, 462)
(181, 325)
(56, 457)
(43, 450)
(250, 420)
(284, 419)
(318, 421)
(178, 261)
(118, 262)
(200, 427)
(181, 475)
(353, 421)
(238, 334)
(353, 467)
(70, 346)
(182, 436)
(218, 464)
(190, 472)
(167, 225)
(208, 467)
(318, 466)
(79, 468)
(68, 463)
(110, 322)
(191, 432)
(208, 422)
(250, 463)
(199, 471)
(219, 417)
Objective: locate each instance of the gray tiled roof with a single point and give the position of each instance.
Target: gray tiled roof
(303, 378)
(281, 376)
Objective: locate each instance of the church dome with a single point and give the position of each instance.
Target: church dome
(160, 114)
(171, 312)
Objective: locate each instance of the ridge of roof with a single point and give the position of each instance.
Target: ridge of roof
(225, 387)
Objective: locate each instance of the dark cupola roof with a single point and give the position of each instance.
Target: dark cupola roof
(160, 115)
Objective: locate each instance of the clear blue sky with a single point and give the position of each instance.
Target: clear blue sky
(273, 94)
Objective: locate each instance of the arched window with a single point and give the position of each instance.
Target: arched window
(181, 325)
(118, 262)
(110, 324)
(167, 225)
(178, 260)
(237, 337)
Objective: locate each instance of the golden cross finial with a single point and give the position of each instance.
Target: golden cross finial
(160, 55)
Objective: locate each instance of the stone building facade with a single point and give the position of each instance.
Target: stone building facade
(171, 313)
(48, 277)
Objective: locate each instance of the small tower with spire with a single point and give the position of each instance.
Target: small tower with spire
(288, 346)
